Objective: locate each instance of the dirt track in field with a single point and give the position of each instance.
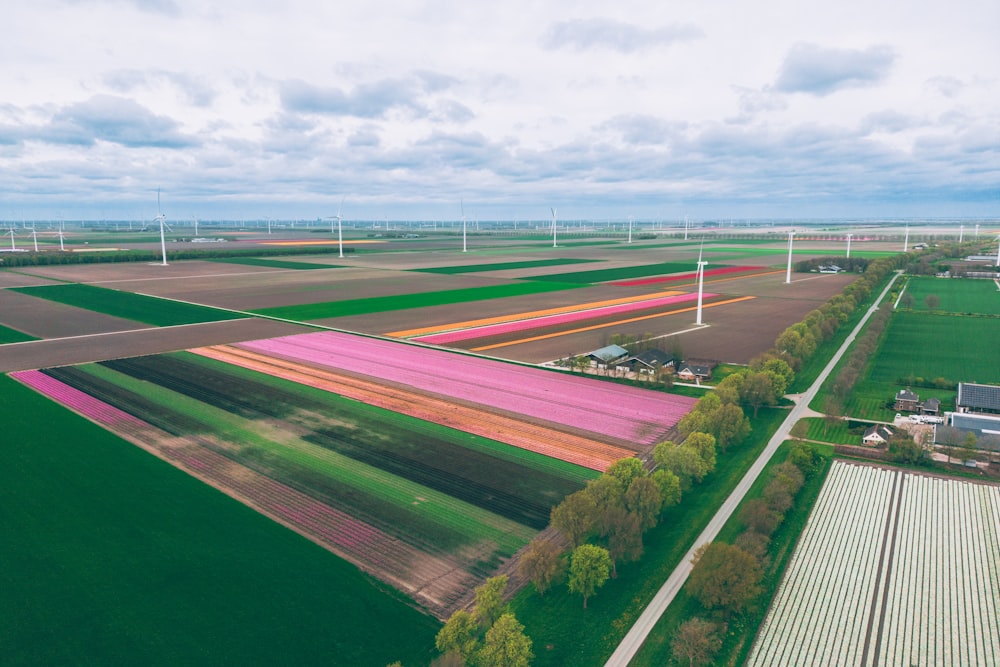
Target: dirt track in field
(137, 342)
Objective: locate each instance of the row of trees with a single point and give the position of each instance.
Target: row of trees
(727, 577)
(50, 257)
(864, 348)
(487, 636)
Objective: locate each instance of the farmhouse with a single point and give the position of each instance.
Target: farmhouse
(698, 372)
(981, 398)
(907, 401)
(877, 435)
(649, 361)
(607, 356)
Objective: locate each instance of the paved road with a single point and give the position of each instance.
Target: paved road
(644, 624)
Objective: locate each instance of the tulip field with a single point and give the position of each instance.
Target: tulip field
(892, 568)
(424, 468)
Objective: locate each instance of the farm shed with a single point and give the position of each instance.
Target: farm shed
(982, 398)
(986, 429)
(649, 361)
(694, 371)
(607, 355)
(876, 435)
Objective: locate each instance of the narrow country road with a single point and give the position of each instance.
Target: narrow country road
(644, 624)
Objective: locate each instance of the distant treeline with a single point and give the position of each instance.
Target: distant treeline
(99, 257)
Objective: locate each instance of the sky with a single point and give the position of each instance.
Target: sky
(414, 109)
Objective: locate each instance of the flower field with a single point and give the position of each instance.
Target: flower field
(892, 568)
(428, 509)
(628, 414)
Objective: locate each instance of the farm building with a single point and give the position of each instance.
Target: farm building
(649, 361)
(698, 372)
(986, 429)
(908, 401)
(829, 268)
(981, 398)
(607, 356)
(876, 435)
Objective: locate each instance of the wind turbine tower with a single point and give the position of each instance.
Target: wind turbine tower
(34, 236)
(61, 247)
(553, 227)
(906, 239)
(849, 235)
(961, 233)
(788, 273)
(630, 229)
(162, 219)
(685, 228)
(701, 285)
(340, 227)
(464, 227)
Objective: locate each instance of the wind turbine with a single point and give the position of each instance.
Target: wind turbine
(849, 235)
(685, 228)
(62, 248)
(553, 227)
(11, 232)
(998, 250)
(906, 239)
(788, 273)
(464, 225)
(630, 230)
(34, 236)
(340, 228)
(701, 281)
(961, 233)
(162, 219)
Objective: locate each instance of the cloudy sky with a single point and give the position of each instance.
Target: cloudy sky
(717, 108)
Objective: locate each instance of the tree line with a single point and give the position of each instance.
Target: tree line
(52, 258)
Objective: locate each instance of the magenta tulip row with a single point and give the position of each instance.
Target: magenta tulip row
(78, 401)
(632, 414)
(553, 320)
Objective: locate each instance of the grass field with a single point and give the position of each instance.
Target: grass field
(273, 263)
(566, 634)
(737, 642)
(622, 273)
(504, 266)
(318, 311)
(959, 348)
(956, 295)
(137, 307)
(157, 568)
(8, 335)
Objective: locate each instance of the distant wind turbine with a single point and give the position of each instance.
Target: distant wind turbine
(62, 248)
(162, 219)
(849, 235)
(11, 233)
(630, 229)
(464, 225)
(788, 273)
(906, 239)
(553, 227)
(340, 228)
(701, 281)
(34, 236)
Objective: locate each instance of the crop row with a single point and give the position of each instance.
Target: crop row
(76, 400)
(820, 613)
(627, 413)
(553, 320)
(892, 568)
(518, 433)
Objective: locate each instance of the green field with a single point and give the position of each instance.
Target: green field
(566, 634)
(961, 349)
(274, 263)
(318, 311)
(955, 295)
(8, 335)
(503, 266)
(113, 557)
(137, 307)
(623, 273)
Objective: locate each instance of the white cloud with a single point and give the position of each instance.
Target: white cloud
(809, 68)
(615, 35)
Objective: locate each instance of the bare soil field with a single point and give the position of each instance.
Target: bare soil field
(138, 342)
(47, 319)
(17, 279)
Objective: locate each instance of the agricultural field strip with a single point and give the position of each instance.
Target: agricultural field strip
(370, 549)
(809, 622)
(725, 270)
(581, 451)
(828, 593)
(628, 413)
(504, 266)
(486, 321)
(604, 325)
(12, 335)
(555, 320)
(619, 273)
(947, 578)
(956, 295)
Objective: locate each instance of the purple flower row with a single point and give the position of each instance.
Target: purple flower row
(85, 404)
(632, 414)
(553, 320)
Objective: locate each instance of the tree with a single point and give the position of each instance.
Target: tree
(704, 444)
(903, 448)
(789, 477)
(489, 600)
(608, 494)
(624, 538)
(625, 470)
(729, 389)
(506, 645)
(758, 390)
(643, 499)
(800, 429)
(541, 563)
(574, 516)
(670, 487)
(459, 635)
(932, 301)
(696, 642)
(589, 569)
(759, 517)
(731, 425)
(969, 446)
(724, 576)
(684, 462)
(906, 301)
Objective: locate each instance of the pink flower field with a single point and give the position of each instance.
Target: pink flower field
(631, 414)
(553, 320)
(84, 404)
